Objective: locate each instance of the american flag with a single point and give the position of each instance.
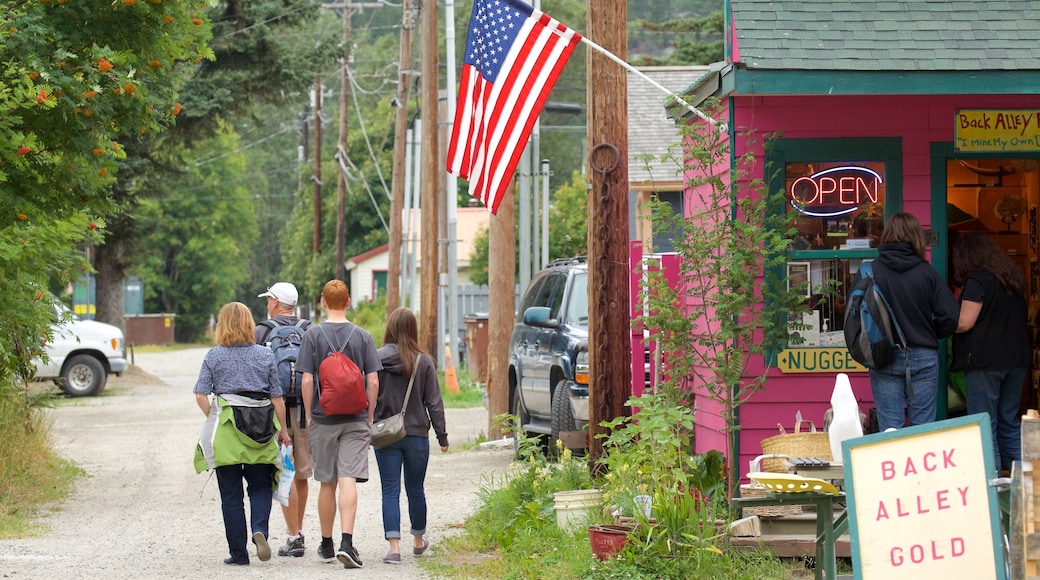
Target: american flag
(514, 54)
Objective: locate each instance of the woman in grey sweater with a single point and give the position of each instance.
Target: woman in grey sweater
(400, 355)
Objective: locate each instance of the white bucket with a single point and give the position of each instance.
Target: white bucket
(573, 508)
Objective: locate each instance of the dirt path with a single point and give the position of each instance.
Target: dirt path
(143, 512)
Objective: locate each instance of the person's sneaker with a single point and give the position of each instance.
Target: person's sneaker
(326, 553)
(349, 556)
(425, 545)
(392, 558)
(263, 549)
(292, 548)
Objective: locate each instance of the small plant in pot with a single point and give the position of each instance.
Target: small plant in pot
(649, 454)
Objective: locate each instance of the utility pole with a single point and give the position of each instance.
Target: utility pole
(501, 304)
(610, 335)
(431, 168)
(404, 80)
(317, 166)
(344, 126)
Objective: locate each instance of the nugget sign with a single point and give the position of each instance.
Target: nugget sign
(920, 505)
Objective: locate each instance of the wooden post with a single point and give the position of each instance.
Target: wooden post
(317, 166)
(428, 338)
(393, 278)
(501, 305)
(609, 318)
(344, 126)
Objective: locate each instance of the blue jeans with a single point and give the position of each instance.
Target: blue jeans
(998, 392)
(258, 478)
(411, 454)
(911, 381)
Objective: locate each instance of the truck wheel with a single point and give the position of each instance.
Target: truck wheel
(562, 415)
(82, 376)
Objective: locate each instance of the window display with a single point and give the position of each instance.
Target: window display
(834, 207)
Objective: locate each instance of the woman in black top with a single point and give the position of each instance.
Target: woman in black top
(992, 341)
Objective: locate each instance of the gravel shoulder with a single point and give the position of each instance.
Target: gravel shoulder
(143, 512)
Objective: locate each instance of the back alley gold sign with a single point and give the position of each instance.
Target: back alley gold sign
(987, 130)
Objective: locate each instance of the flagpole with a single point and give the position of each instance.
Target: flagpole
(678, 99)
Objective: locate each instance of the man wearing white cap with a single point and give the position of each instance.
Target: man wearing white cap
(281, 307)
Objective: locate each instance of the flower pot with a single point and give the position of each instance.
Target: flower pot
(575, 508)
(607, 540)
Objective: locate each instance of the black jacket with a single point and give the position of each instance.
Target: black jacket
(1000, 337)
(922, 303)
(425, 406)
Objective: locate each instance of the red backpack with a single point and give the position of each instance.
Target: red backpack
(341, 384)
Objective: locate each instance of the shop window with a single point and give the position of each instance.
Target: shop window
(837, 194)
(835, 205)
(837, 210)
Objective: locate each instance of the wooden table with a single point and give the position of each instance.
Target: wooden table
(828, 529)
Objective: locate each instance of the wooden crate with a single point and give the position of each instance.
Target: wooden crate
(1024, 537)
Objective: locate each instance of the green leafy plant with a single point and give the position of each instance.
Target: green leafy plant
(732, 245)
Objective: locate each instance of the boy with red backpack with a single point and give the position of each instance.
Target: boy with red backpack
(339, 442)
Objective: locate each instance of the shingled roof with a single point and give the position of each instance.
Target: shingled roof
(650, 131)
(925, 35)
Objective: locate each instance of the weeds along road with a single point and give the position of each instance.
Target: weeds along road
(143, 512)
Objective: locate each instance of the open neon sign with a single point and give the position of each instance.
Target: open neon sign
(836, 191)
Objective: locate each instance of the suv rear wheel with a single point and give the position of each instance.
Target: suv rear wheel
(82, 376)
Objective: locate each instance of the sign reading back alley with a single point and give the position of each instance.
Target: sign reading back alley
(920, 505)
(997, 130)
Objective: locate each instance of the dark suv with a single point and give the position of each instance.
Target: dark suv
(548, 352)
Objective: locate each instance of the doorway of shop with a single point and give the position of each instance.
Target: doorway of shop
(999, 197)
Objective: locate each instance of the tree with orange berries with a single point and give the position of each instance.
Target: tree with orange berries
(75, 84)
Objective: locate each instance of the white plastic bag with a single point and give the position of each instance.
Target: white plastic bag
(286, 476)
(846, 423)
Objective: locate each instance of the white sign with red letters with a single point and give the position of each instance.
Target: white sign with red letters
(920, 504)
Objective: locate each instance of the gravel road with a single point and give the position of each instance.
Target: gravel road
(143, 512)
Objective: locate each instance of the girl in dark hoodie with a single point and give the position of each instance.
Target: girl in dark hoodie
(399, 355)
(926, 311)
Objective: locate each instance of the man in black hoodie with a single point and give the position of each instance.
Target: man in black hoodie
(926, 311)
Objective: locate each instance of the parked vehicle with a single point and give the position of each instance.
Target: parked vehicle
(548, 351)
(81, 354)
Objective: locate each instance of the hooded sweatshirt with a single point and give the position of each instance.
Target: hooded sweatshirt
(922, 303)
(425, 406)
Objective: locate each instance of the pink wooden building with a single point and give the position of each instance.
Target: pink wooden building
(878, 107)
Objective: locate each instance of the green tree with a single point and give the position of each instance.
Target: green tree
(201, 233)
(732, 245)
(79, 81)
(569, 216)
(265, 52)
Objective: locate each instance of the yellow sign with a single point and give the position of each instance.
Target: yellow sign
(818, 360)
(920, 504)
(997, 130)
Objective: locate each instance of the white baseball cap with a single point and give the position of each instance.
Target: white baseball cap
(283, 292)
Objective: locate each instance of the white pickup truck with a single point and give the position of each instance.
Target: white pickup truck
(82, 353)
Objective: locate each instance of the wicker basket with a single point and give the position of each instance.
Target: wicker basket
(767, 511)
(797, 444)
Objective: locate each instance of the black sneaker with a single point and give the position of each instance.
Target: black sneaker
(349, 556)
(292, 548)
(326, 553)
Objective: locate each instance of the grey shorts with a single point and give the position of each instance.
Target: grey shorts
(340, 450)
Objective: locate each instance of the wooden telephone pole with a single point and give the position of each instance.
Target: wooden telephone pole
(404, 80)
(431, 169)
(316, 177)
(501, 305)
(610, 335)
(344, 127)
